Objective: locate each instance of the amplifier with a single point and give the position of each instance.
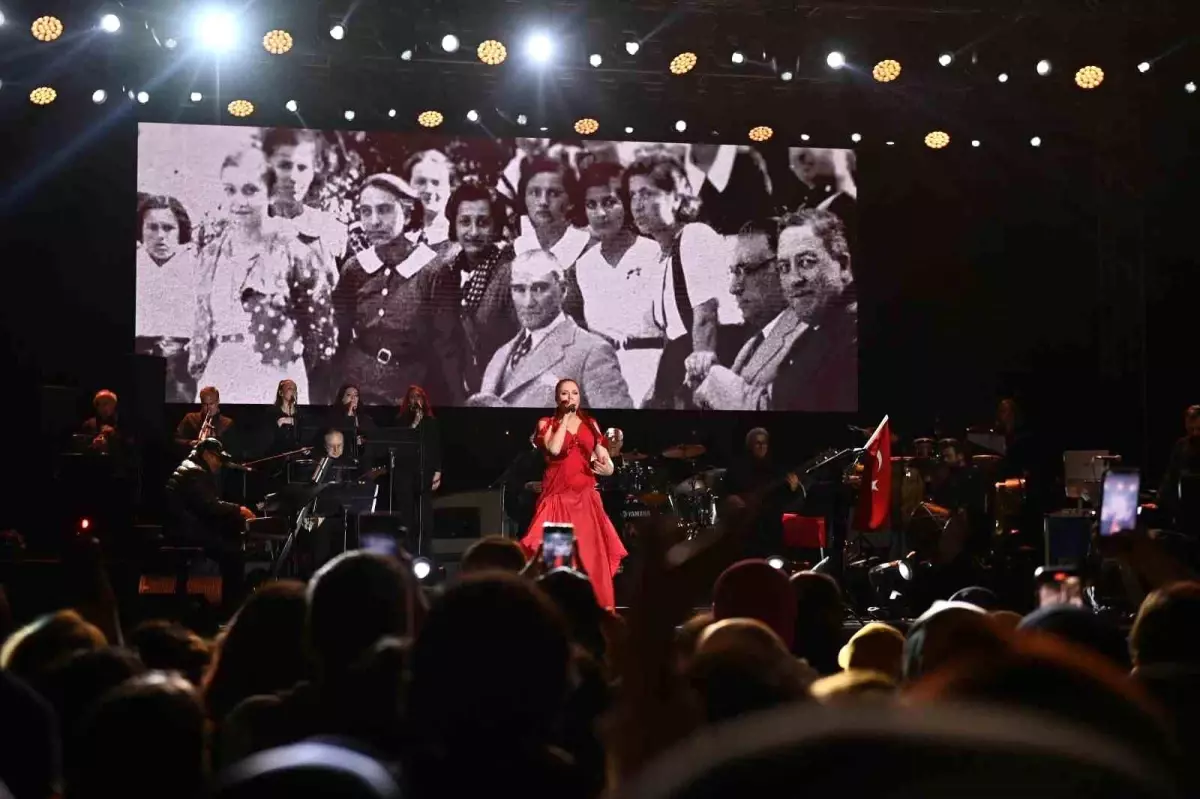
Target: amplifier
(461, 519)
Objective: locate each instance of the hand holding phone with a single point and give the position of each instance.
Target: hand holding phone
(558, 543)
(1119, 501)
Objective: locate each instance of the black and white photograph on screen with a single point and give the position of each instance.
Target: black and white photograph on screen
(657, 275)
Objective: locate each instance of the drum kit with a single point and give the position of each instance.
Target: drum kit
(650, 481)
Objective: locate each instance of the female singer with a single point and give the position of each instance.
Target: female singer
(284, 431)
(575, 454)
(416, 412)
(355, 427)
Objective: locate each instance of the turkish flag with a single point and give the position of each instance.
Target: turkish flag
(875, 492)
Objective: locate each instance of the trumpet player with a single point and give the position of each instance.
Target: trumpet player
(208, 422)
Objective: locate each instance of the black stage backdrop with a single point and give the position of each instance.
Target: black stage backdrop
(1064, 276)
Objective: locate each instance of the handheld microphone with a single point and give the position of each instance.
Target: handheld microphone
(571, 409)
(238, 467)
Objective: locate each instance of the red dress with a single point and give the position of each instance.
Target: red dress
(569, 495)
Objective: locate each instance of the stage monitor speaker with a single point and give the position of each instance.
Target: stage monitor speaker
(461, 519)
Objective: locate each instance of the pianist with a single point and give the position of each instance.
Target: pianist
(342, 467)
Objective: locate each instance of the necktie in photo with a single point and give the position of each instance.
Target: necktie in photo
(755, 343)
(524, 345)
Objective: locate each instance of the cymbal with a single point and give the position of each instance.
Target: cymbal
(684, 452)
(901, 458)
(634, 455)
(985, 458)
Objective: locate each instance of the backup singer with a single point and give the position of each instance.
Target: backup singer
(283, 432)
(418, 487)
(575, 454)
(344, 415)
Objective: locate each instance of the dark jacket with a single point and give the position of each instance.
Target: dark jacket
(195, 511)
(189, 429)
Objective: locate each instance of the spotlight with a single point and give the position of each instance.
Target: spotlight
(543, 128)
(85, 523)
(681, 126)
(804, 137)
(1144, 67)
(1190, 87)
(775, 562)
(855, 137)
(974, 142)
(422, 568)
(1036, 141)
(632, 47)
(1, 17)
(241, 108)
(217, 30)
(42, 95)
(472, 115)
(99, 96)
(683, 63)
(490, 52)
(522, 119)
(110, 23)
(946, 59)
(450, 43)
(1002, 77)
(338, 32)
(406, 55)
(143, 97)
(46, 29)
(761, 133)
(595, 59)
(737, 57)
(886, 71)
(835, 60)
(196, 97)
(277, 42)
(937, 139)
(349, 115)
(786, 75)
(391, 113)
(539, 47)
(586, 126)
(890, 143)
(291, 106)
(1089, 77)
(1043, 67)
(628, 129)
(170, 44)
(430, 119)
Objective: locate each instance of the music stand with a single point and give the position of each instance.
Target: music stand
(833, 503)
(347, 500)
(405, 460)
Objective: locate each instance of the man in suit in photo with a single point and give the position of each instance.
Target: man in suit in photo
(806, 357)
(549, 347)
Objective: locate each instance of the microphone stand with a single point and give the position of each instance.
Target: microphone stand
(837, 519)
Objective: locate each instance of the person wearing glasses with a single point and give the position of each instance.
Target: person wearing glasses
(805, 358)
(381, 307)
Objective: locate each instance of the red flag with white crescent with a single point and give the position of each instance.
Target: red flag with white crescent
(875, 493)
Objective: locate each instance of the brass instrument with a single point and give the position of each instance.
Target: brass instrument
(207, 429)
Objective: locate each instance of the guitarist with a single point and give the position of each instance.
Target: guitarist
(754, 480)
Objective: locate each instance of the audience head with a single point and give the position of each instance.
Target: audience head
(353, 601)
(1005, 620)
(819, 613)
(537, 288)
(687, 635)
(308, 769)
(754, 589)
(1165, 629)
(31, 754)
(262, 651)
(76, 684)
(493, 553)
(1191, 421)
(572, 593)
(32, 651)
(853, 685)
(946, 632)
(1083, 628)
(169, 646)
(741, 666)
(143, 739)
(484, 617)
(977, 595)
(874, 647)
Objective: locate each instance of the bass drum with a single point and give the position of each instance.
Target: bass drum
(936, 534)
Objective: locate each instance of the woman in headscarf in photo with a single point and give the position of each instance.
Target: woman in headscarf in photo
(265, 297)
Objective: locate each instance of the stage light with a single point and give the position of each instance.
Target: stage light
(1043, 67)
(42, 95)
(143, 97)
(522, 119)
(99, 96)
(539, 47)
(490, 52)
(170, 44)
(291, 106)
(886, 71)
(737, 57)
(1002, 77)
(217, 30)
(786, 75)
(936, 140)
(760, 133)
(391, 113)
(2, 20)
(856, 137)
(1190, 87)
(277, 42)
(406, 55)
(628, 129)
(450, 43)
(472, 115)
(196, 97)
(1089, 77)
(1144, 67)
(632, 47)
(804, 137)
(595, 59)
(422, 568)
(683, 63)
(110, 23)
(1036, 141)
(775, 562)
(974, 142)
(338, 32)
(430, 119)
(681, 126)
(349, 115)
(835, 60)
(586, 126)
(46, 29)
(240, 108)
(85, 523)
(543, 128)
(946, 59)
(890, 143)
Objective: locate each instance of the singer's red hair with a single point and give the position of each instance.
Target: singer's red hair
(425, 398)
